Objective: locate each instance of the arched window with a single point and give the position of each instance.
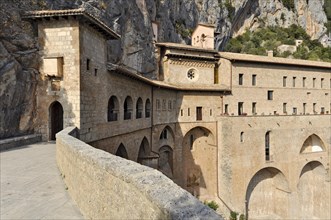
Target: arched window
(148, 108)
(267, 146)
(121, 152)
(56, 119)
(144, 152)
(242, 137)
(128, 108)
(112, 109)
(139, 108)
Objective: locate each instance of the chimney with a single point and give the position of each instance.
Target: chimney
(270, 53)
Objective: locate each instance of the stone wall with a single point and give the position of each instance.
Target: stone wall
(108, 187)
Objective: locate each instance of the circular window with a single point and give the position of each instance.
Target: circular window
(192, 74)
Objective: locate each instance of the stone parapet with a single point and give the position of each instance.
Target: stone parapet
(105, 186)
(9, 143)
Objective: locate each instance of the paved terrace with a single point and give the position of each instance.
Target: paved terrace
(31, 185)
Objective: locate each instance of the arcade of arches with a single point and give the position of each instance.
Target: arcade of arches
(269, 195)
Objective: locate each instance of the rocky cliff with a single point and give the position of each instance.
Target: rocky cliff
(132, 19)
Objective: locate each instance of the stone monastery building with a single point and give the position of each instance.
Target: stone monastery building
(251, 132)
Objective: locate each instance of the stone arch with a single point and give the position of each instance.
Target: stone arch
(199, 162)
(121, 152)
(166, 133)
(166, 161)
(144, 151)
(267, 194)
(314, 192)
(128, 107)
(113, 108)
(312, 144)
(148, 108)
(55, 119)
(139, 108)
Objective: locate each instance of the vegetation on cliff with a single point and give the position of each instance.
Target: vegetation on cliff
(269, 38)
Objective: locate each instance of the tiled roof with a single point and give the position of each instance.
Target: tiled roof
(185, 47)
(97, 23)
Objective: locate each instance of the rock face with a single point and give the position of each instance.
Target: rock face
(19, 57)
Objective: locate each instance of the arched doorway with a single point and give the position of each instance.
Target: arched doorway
(144, 152)
(314, 192)
(56, 119)
(121, 152)
(199, 163)
(166, 161)
(267, 195)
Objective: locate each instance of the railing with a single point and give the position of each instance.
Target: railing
(112, 117)
(127, 115)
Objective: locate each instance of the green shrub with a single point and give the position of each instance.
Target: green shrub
(211, 204)
(242, 217)
(233, 215)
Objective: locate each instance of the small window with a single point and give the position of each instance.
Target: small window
(270, 95)
(164, 134)
(226, 109)
(158, 104)
(304, 82)
(284, 108)
(322, 82)
(294, 78)
(240, 108)
(211, 112)
(294, 111)
(242, 137)
(88, 64)
(164, 104)
(314, 82)
(169, 105)
(254, 108)
(322, 110)
(254, 80)
(181, 112)
(95, 72)
(267, 146)
(314, 107)
(304, 108)
(188, 112)
(284, 81)
(241, 79)
(199, 113)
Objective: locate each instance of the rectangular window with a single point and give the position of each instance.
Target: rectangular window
(164, 104)
(95, 72)
(284, 108)
(322, 81)
(254, 108)
(304, 108)
(284, 81)
(322, 110)
(314, 82)
(294, 111)
(181, 112)
(241, 79)
(158, 104)
(270, 94)
(188, 112)
(314, 107)
(87, 64)
(240, 108)
(169, 105)
(304, 82)
(226, 109)
(199, 113)
(294, 78)
(211, 112)
(254, 80)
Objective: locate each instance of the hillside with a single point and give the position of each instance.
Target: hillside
(19, 63)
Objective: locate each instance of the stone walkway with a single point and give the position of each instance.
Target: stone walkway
(31, 185)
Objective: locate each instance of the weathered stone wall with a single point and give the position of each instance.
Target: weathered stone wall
(240, 160)
(108, 187)
(59, 39)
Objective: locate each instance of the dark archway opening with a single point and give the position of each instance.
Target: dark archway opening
(56, 115)
(121, 152)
